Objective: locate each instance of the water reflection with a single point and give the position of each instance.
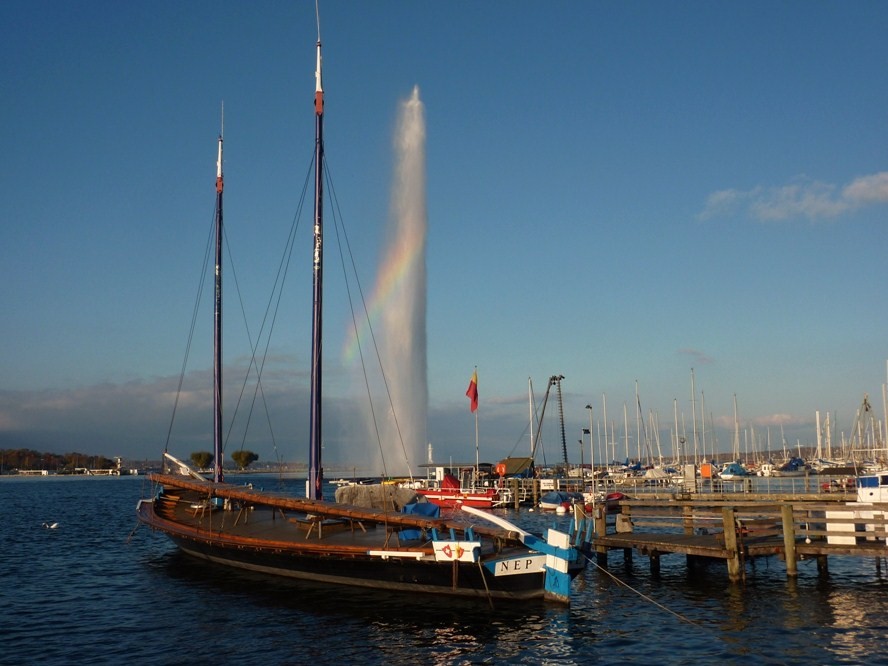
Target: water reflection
(390, 627)
(91, 587)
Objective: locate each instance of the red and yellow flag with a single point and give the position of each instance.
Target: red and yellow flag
(472, 391)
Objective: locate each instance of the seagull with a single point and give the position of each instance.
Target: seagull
(50, 526)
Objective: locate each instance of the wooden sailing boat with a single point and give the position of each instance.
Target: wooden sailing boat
(473, 554)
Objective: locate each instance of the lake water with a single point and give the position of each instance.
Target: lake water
(94, 591)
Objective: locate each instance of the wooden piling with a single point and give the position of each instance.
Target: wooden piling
(600, 531)
(687, 519)
(735, 568)
(789, 540)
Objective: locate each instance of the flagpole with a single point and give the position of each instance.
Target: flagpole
(477, 448)
(477, 453)
(472, 395)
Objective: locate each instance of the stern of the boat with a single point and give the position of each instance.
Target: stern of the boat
(562, 564)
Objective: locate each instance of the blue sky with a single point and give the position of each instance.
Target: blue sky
(617, 192)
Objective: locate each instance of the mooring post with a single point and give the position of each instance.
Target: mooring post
(600, 531)
(516, 498)
(789, 540)
(687, 519)
(735, 570)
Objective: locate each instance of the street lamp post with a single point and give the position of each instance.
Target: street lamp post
(592, 449)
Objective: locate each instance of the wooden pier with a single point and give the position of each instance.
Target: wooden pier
(740, 528)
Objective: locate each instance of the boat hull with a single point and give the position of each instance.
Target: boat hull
(409, 576)
(347, 554)
(450, 499)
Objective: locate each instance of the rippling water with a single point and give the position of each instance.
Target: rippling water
(88, 593)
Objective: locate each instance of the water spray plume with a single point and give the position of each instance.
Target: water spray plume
(397, 307)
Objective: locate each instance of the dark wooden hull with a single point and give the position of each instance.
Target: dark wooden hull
(344, 552)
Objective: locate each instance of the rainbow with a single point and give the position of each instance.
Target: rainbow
(406, 254)
(403, 260)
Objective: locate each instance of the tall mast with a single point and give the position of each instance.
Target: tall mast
(694, 412)
(530, 410)
(315, 479)
(217, 323)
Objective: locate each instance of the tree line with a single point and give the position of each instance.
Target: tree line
(13, 459)
(242, 458)
(17, 459)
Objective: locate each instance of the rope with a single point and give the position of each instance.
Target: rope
(647, 598)
(484, 580)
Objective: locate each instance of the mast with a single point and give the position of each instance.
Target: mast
(557, 380)
(675, 439)
(217, 323)
(613, 455)
(314, 489)
(530, 415)
(694, 413)
(702, 425)
(736, 450)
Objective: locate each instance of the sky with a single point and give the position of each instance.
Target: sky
(628, 194)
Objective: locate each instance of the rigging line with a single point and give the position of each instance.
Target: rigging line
(273, 306)
(249, 367)
(194, 312)
(373, 339)
(337, 223)
(520, 438)
(250, 341)
(278, 287)
(535, 421)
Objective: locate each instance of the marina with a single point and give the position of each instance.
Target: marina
(676, 615)
(583, 210)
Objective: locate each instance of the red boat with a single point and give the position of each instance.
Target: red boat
(449, 493)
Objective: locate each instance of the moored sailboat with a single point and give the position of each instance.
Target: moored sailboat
(470, 554)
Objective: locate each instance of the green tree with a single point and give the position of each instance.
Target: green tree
(202, 459)
(244, 458)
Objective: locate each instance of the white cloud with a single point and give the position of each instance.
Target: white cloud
(868, 189)
(802, 198)
(777, 420)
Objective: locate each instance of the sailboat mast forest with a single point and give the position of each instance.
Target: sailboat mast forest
(401, 544)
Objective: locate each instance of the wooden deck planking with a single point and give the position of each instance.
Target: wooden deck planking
(739, 529)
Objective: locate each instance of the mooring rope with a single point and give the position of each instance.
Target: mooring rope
(647, 598)
(484, 580)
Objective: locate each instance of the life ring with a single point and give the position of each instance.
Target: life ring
(501, 469)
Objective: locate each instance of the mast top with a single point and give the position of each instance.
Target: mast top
(319, 88)
(219, 158)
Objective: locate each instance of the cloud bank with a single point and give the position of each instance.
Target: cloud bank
(803, 198)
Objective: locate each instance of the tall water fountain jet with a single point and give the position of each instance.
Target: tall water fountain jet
(400, 299)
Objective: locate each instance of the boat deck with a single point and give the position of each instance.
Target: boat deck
(261, 522)
(190, 514)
